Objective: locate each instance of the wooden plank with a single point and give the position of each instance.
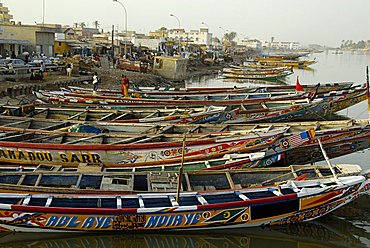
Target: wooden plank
(165, 129)
(147, 139)
(37, 112)
(17, 123)
(106, 116)
(78, 115)
(86, 138)
(195, 129)
(152, 114)
(230, 180)
(56, 126)
(47, 137)
(226, 127)
(20, 181)
(18, 137)
(121, 116)
(129, 140)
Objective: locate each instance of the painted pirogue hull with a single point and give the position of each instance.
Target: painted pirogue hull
(325, 87)
(161, 212)
(154, 153)
(256, 76)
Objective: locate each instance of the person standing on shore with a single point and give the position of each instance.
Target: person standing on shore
(69, 70)
(95, 83)
(124, 86)
(42, 70)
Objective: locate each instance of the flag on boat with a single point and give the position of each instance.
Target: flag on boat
(298, 86)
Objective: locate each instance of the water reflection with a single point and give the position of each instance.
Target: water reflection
(334, 233)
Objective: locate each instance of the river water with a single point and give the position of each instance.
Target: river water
(347, 228)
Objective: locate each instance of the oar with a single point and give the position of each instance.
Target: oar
(181, 170)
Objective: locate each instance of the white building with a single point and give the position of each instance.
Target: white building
(250, 43)
(200, 37)
(285, 45)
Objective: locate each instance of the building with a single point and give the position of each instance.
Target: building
(199, 37)
(172, 68)
(5, 17)
(17, 39)
(250, 43)
(283, 45)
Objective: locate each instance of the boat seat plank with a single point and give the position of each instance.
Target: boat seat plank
(121, 116)
(119, 202)
(141, 202)
(106, 117)
(129, 140)
(78, 115)
(56, 126)
(173, 201)
(147, 139)
(38, 112)
(47, 137)
(202, 200)
(18, 137)
(166, 129)
(195, 129)
(155, 113)
(86, 138)
(26, 200)
(18, 123)
(48, 201)
(225, 127)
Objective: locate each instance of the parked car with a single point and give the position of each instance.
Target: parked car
(49, 65)
(17, 63)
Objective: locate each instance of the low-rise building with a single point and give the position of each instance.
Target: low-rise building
(172, 68)
(200, 37)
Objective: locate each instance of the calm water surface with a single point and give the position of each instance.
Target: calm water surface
(331, 231)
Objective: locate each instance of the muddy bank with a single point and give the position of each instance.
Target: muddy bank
(112, 77)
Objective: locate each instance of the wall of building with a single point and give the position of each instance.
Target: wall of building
(170, 67)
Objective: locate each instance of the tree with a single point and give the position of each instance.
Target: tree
(230, 36)
(163, 29)
(96, 24)
(82, 24)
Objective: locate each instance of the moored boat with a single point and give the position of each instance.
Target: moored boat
(213, 207)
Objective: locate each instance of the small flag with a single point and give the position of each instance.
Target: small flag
(298, 86)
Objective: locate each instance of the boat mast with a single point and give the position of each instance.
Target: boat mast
(327, 160)
(367, 90)
(181, 169)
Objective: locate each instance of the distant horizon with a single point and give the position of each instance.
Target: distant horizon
(313, 22)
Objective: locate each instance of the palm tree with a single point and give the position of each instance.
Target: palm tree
(96, 24)
(75, 25)
(82, 24)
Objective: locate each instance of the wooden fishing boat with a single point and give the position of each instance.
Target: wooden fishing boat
(85, 182)
(145, 91)
(71, 149)
(173, 116)
(253, 71)
(251, 110)
(257, 76)
(228, 161)
(282, 62)
(213, 207)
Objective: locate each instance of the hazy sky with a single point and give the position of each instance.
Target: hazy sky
(310, 21)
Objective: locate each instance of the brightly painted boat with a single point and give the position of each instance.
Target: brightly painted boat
(282, 62)
(324, 87)
(232, 207)
(263, 111)
(209, 114)
(117, 182)
(71, 149)
(257, 76)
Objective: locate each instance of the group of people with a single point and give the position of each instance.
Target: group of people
(124, 84)
(41, 73)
